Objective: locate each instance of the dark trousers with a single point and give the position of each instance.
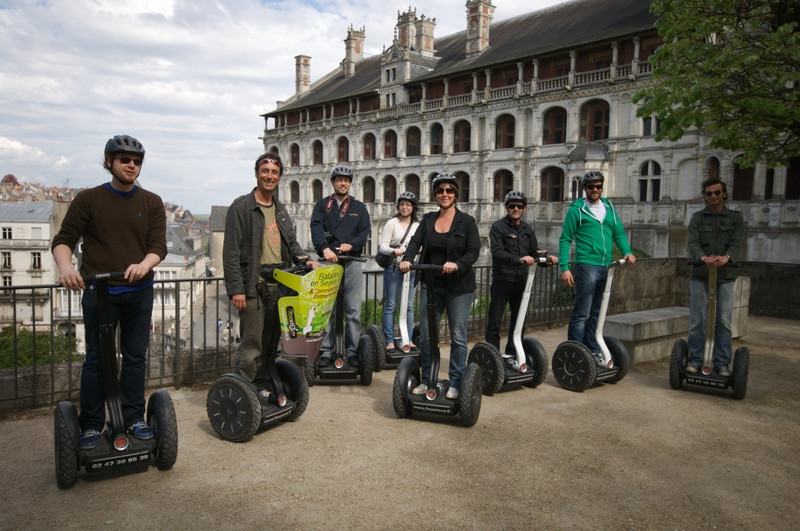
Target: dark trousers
(503, 291)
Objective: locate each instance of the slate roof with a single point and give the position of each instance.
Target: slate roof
(26, 211)
(565, 26)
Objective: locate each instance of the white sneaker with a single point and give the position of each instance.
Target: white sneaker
(452, 393)
(421, 389)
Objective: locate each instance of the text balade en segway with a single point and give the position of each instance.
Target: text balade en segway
(238, 408)
(116, 448)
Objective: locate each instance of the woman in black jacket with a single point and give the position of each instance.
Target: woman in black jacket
(448, 238)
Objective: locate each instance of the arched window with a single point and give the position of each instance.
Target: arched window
(650, 181)
(369, 146)
(793, 179)
(552, 185)
(437, 139)
(294, 192)
(712, 168)
(742, 182)
(316, 190)
(295, 160)
(503, 183)
(412, 185)
(463, 186)
(274, 149)
(555, 126)
(368, 193)
(389, 189)
(343, 150)
(390, 145)
(461, 136)
(596, 116)
(317, 150)
(504, 132)
(413, 139)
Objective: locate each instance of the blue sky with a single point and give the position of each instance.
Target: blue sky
(188, 78)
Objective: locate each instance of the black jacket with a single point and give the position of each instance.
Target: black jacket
(509, 243)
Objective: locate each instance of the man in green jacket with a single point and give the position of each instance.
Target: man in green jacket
(594, 225)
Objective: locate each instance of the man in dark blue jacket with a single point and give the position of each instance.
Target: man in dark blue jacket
(340, 225)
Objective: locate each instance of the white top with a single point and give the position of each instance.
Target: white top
(392, 234)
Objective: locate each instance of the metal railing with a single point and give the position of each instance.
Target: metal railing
(41, 332)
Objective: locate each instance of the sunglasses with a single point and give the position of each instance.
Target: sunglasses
(713, 192)
(516, 207)
(128, 160)
(594, 187)
(443, 190)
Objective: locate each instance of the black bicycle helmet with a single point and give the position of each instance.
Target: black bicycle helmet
(592, 176)
(407, 196)
(343, 171)
(515, 195)
(270, 157)
(444, 178)
(123, 144)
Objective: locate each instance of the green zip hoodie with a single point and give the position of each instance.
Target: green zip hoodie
(593, 240)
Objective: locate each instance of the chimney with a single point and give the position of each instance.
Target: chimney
(424, 28)
(406, 30)
(302, 74)
(479, 18)
(353, 50)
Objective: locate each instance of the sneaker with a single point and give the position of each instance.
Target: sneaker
(141, 430)
(452, 393)
(723, 371)
(324, 361)
(421, 389)
(264, 394)
(89, 439)
(354, 361)
(693, 367)
(598, 359)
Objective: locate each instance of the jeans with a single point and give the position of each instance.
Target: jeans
(132, 312)
(504, 292)
(723, 336)
(590, 282)
(457, 307)
(353, 282)
(392, 285)
(260, 328)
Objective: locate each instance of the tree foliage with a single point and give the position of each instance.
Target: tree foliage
(732, 68)
(28, 349)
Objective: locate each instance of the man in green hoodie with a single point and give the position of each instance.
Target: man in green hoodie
(594, 225)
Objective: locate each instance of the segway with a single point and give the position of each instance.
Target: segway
(433, 403)
(116, 449)
(706, 377)
(236, 407)
(528, 365)
(383, 358)
(340, 369)
(575, 368)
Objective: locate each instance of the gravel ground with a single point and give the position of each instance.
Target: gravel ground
(633, 455)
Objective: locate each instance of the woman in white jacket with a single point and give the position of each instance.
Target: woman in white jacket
(395, 237)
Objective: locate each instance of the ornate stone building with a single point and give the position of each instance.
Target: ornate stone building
(527, 103)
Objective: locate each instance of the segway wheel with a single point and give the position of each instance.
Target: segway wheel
(66, 434)
(622, 360)
(379, 345)
(677, 363)
(294, 382)
(536, 357)
(161, 417)
(573, 366)
(469, 399)
(406, 378)
(741, 368)
(490, 360)
(366, 356)
(310, 371)
(233, 408)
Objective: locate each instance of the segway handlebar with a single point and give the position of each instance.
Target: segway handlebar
(91, 279)
(268, 271)
(615, 263)
(425, 267)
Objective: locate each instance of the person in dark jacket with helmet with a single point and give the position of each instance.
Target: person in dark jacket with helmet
(394, 239)
(448, 238)
(595, 227)
(340, 225)
(123, 228)
(514, 248)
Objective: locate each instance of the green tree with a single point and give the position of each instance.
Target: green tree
(732, 68)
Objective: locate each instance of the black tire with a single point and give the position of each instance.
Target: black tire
(161, 417)
(233, 408)
(741, 369)
(310, 371)
(622, 360)
(66, 434)
(536, 358)
(366, 357)
(677, 363)
(573, 366)
(379, 347)
(469, 397)
(488, 358)
(294, 382)
(406, 378)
